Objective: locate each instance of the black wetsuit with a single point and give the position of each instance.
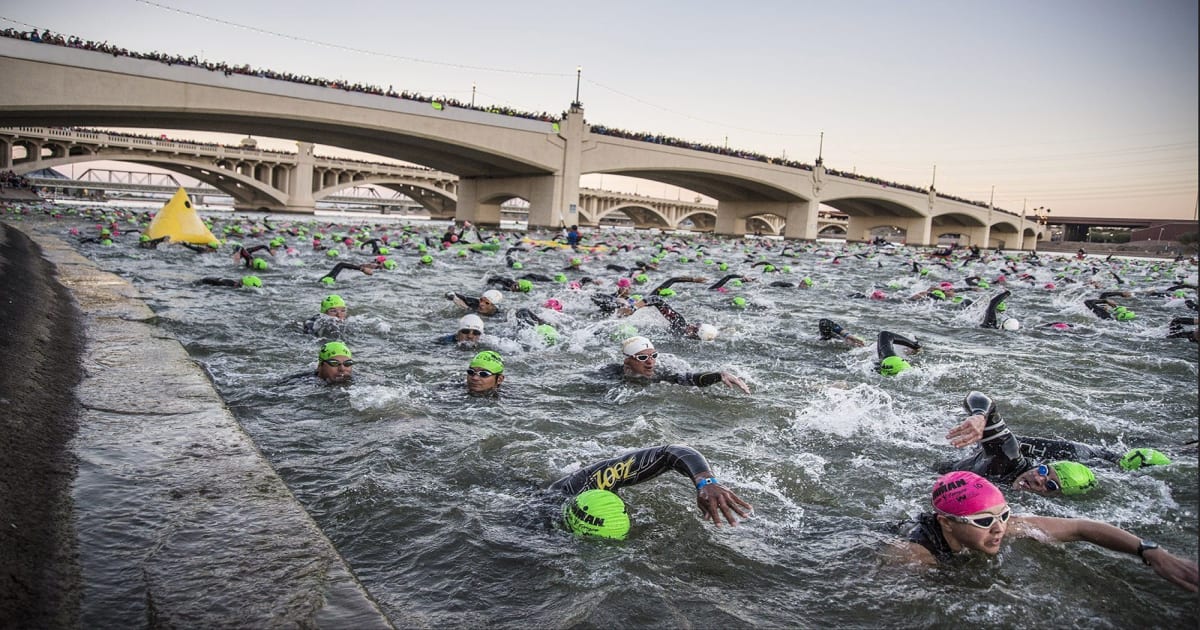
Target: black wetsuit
(153, 243)
(989, 317)
(339, 268)
(1045, 449)
(884, 347)
(928, 533)
(720, 283)
(999, 458)
(633, 468)
(679, 324)
(471, 302)
(221, 282)
(830, 329)
(699, 379)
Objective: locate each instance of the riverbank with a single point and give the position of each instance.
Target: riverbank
(125, 474)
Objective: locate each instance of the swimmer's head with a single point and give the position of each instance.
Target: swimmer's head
(1123, 314)
(1049, 286)
(623, 283)
(668, 292)
(332, 301)
(738, 302)
(634, 345)
(1074, 478)
(259, 264)
(1060, 326)
(518, 265)
(878, 295)
(597, 513)
(493, 296)
(937, 294)
(560, 277)
(332, 253)
(251, 281)
(489, 360)
(575, 262)
(723, 266)
(1001, 307)
(1139, 457)
(1179, 293)
(768, 268)
(945, 285)
(807, 282)
(707, 332)
(524, 286)
(547, 333)
(470, 323)
(893, 365)
(427, 259)
(962, 493)
(328, 281)
(1011, 324)
(553, 304)
(624, 331)
(389, 264)
(641, 278)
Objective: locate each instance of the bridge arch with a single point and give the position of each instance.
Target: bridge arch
(642, 215)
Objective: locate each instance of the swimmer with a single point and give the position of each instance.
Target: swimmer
(641, 359)
(1175, 329)
(470, 331)
(830, 329)
(890, 363)
(486, 304)
(335, 363)
(970, 514)
(249, 282)
(997, 304)
(595, 510)
(145, 242)
(1000, 460)
(1104, 308)
(679, 325)
(485, 373)
(366, 268)
(333, 310)
(207, 248)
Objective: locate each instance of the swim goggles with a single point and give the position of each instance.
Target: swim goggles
(982, 522)
(646, 357)
(1051, 484)
(336, 363)
(470, 332)
(479, 373)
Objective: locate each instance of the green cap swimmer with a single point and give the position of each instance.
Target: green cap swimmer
(1139, 457)
(1123, 314)
(427, 259)
(641, 278)
(334, 349)
(251, 281)
(259, 264)
(1074, 478)
(548, 333)
(739, 302)
(666, 292)
(524, 286)
(488, 360)
(332, 301)
(893, 365)
(597, 513)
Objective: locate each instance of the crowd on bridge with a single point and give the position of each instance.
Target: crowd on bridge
(9, 179)
(441, 102)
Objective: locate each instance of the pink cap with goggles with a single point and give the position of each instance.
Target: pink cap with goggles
(961, 493)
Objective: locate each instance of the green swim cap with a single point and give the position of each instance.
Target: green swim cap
(1139, 457)
(560, 277)
(251, 281)
(668, 292)
(636, 297)
(957, 299)
(723, 267)
(735, 283)
(106, 242)
(623, 332)
(739, 302)
(328, 281)
(1123, 314)
(333, 253)
(598, 513)
(807, 282)
(576, 261)
(427, 259)
(767, 268)
(938, 293)
(787, 269)
(893, 365)
(708, 261)
(384, 251)
(549, 335)
(334, 349)
(144, 239)
(1074, 478)
(421, 247)
(684, 259)
(924, 272)
(1180, 293)
(462, 253)
(214, 244)
(1001, 307)
(389, 264)
(332, 301)
(259, 264)
(489, 360)
(517, 265)
(524, 286)
(641, 278)
(984, 284)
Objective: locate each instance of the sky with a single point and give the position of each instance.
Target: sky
(1084, 107)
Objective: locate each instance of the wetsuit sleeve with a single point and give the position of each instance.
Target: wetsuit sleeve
(471, 302)
(526, 316)
(1097, 309)
(256, 248)
(669, 282)
(507, 284)
(1049, 450)
(220, 282)
(886, 338)
(339, 268)
(989, 317)
(536, 277)
(195, 248)
(634, 468)
(678, 322)
(1110, 294)
(1002, 450)
(720, 283)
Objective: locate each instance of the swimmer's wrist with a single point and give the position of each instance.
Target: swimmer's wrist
(707, 481)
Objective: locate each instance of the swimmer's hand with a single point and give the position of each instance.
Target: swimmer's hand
(1180, 572)
(717, 501)
(733, 381)
(855, 341)
(967, 432)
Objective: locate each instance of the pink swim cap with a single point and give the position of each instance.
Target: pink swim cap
(1060, 326)
(878, 295)
(1049, 285)
(961, 493)
(553, 304)
(623, 282)
(1000, 278)
(946, 285)
(380, 259)
(574, 285)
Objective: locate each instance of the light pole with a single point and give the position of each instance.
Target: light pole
(578, 78)
(473, 95)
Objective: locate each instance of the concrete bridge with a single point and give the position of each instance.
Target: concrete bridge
(495, 157)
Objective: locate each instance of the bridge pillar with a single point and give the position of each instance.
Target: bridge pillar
(802, 220)
(479, 198)
(300, 182)
(917, 230)
(6, 155)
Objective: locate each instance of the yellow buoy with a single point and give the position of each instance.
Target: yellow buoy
(178, 219)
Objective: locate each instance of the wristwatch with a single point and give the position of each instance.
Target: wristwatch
(1145, 546)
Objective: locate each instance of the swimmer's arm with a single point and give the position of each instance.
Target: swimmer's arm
(967, 432)
(1179, 571)
(907, 552)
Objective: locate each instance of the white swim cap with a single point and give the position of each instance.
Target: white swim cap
(1011, 324)
(493, 296)
(471, 322)
(634, 345)
(706, 332)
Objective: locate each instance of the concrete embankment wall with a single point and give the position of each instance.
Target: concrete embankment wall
(129, 495)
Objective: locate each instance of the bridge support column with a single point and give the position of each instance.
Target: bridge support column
(479, 198)
(917, 230)
(300, 182)
(5, 154)
(732, 215)
(802, 220)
